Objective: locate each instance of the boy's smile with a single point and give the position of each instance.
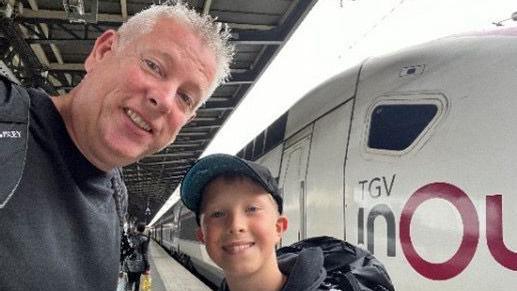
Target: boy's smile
(235, 248)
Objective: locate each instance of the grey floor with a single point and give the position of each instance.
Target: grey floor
(169, 275)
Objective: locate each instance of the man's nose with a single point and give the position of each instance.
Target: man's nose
(162, 99)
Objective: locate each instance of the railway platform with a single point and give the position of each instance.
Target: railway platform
(169, 275)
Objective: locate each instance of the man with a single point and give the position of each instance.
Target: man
(143, 83)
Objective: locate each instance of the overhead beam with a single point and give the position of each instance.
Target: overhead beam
(123, 9)
(31, 64)
(80, 67)
(242, 37)
(66, 67)
(61, 41)
(175, 155)
(118, 19)
(242, 78)
(37, 47)
(206, 6)
(61, 15)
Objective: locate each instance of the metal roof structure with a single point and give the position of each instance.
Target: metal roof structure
(43, 43)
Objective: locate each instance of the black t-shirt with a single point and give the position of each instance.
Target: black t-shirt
(59, 227)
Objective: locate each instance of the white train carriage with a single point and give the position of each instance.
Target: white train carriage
(409, 155)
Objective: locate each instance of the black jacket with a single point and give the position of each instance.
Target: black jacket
(304, 271)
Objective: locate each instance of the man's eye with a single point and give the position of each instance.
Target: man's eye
(187, 100)
(252, 209)
(152, 66)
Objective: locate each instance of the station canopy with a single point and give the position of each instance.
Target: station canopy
(43, 43)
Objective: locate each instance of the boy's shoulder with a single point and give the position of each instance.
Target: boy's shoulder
(346, 266)
(305, 269)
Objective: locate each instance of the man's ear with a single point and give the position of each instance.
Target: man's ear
(199, 235)
(104, 45)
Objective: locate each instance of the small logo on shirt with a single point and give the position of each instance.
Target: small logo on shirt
(10, 134)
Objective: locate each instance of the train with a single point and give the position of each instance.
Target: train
(409, 155)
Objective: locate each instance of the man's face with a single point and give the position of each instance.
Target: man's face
(133, 101)
(240, 226)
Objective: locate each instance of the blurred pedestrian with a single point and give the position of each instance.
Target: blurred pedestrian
(137, 262)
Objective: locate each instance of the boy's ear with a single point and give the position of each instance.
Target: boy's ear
(199, 235)
(281, 225)
(104, 44)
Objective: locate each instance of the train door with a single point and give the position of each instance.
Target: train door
(293, 183)
(325, 172)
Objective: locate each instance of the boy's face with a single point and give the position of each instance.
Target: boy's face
(240, 226)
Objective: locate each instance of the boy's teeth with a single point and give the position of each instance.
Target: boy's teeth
(236, 249)
(138, 120)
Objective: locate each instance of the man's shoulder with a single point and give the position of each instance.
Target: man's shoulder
(5, 88)
(14, 123)
(14, 101)
(5, 79)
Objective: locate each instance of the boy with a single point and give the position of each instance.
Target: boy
(238, 207)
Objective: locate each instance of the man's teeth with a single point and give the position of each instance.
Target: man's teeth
(138, 120)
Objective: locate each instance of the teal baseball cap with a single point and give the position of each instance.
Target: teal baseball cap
(210, 167)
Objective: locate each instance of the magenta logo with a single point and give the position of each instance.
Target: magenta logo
(463, 256)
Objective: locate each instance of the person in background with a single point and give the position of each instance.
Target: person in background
(137, 263)
(58, 210)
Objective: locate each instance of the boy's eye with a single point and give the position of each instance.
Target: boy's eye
(216, 214)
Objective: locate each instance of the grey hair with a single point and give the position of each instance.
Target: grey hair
(215, 34)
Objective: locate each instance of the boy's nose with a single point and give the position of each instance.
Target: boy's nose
(236, 223)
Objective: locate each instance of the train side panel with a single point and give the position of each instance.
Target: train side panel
(313, 157)
(410, 156)
(429, 209)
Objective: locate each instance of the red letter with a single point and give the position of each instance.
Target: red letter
(494, 233)
(457, 263)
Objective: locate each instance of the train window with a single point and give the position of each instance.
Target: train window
(395, 127)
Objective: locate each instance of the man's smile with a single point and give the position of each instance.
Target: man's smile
(137, 120)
